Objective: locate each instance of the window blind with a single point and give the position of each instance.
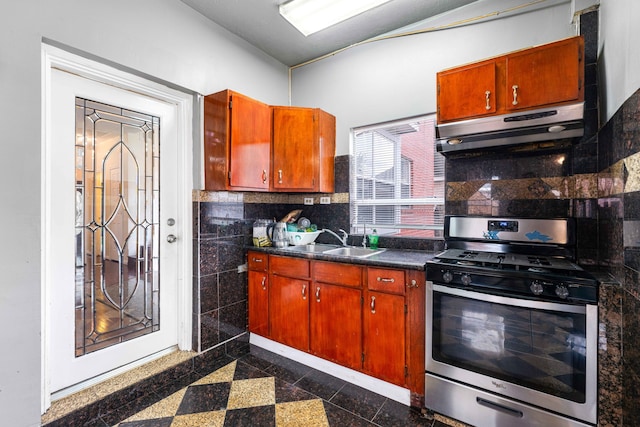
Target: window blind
(397, 179)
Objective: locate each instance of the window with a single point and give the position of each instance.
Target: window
(398, 179)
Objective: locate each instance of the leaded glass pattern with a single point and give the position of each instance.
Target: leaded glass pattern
(117, 225)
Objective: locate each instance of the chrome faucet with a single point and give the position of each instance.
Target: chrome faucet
(342, 239)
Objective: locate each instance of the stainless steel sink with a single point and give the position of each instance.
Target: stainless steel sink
(353, 251)
(315, 248)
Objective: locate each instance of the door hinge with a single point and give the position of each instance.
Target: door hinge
(230, 104)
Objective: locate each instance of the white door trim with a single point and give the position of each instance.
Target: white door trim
(53, 57)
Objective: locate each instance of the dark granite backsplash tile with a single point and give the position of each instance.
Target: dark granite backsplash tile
(209, 256)
(631, 125)
(209, 329)
(587, 240)
(543, 208)
(610, 387)
(589, 24)
(208, 293)
(233, 320)
(585, 156)
(230, 253)
(632, 262)
(342, 169)
(232, 287)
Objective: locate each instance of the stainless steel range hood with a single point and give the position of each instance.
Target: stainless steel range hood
(546, 124)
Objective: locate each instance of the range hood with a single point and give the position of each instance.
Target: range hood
(545, 124)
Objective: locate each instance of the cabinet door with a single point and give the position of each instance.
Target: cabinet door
(384, 336)
(550, 74)
(336, 324)
(237, 142)
(258, 302)
(250, 143)
(295, 150)
(467, 92)
(289, 311)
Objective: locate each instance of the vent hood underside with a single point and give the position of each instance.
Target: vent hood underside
(546, 124)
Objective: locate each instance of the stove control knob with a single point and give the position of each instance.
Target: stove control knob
(562, 291)
(536, 287)
(447, 276)
(466, 279)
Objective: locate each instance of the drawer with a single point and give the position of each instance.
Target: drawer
(386, 280)
(289, 267)
(258, 261)
(337, 273)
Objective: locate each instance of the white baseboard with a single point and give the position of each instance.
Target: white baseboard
(391, 391)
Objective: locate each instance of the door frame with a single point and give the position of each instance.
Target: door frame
(53, 57)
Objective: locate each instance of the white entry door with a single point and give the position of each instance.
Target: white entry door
(113, 245)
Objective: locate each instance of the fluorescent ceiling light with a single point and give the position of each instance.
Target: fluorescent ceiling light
(310, 16)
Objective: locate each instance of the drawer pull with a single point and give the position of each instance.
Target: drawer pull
(515, 94)
(264, 283)
(386, 279)
(373, 305)
(279, 176)
(264, 176)
(318, 294)
(256, 259)
(486, 97)
(412, 284)
(304, 291)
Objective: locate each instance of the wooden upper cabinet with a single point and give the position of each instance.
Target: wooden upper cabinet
(467, 92)
(237, 142)
(544, 75)
(537, 77)
(303, 150)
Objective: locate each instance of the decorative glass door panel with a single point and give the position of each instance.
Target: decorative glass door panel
(117, 225)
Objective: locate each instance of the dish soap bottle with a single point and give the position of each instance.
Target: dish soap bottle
(373, 239)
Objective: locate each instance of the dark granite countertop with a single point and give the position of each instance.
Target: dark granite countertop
(398, 258)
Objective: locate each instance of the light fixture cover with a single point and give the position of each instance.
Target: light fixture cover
(311, 16)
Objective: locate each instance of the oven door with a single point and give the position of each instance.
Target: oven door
(540, 353)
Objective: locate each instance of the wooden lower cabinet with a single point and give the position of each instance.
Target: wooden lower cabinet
(258, 283)
(336, 324)
(384, 322)
(289, 311)
(369, 319)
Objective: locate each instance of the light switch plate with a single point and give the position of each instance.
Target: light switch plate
(325, 200)
(308, 200)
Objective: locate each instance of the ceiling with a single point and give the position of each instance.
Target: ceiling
(259, 23)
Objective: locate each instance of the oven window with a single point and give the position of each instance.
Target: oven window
(542, 350)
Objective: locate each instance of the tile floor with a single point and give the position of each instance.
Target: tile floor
(265, 389)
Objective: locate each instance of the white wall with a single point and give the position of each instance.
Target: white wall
(162, 38)
(394, 79)
(619, 54)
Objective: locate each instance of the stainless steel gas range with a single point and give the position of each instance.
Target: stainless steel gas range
(511, 325)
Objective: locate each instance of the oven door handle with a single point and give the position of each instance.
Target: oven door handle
(517, 302)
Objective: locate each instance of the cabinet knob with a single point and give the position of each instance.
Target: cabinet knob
(412, 284)
(515, 94)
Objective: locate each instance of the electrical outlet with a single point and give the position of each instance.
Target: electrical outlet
(308, 200)
(325, 200)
